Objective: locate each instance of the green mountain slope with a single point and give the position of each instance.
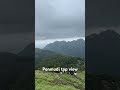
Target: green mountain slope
(46, 58)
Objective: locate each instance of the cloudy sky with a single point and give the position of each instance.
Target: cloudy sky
(16, 24)
(102, 15)
(59, 20)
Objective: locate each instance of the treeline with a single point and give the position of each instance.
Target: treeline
(58, 60)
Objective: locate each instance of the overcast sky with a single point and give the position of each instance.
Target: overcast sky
(59, 19)
(102, 15)
(16, 24)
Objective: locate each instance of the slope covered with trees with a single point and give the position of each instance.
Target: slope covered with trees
(46, 58)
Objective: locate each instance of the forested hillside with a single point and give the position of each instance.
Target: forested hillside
(46, 58)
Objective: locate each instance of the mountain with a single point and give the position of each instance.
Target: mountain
(103, 52)
(40, 53)
(7, 69)
(16, 71)
(28, 50)
(47, 58)
(72, 48)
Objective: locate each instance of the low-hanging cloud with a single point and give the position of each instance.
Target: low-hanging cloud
(59, 19)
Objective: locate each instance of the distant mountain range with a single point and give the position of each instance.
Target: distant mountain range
(72, 48)
(103, 52)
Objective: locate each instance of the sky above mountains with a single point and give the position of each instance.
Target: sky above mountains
(59, 19)
(102, 15)
(16, 24)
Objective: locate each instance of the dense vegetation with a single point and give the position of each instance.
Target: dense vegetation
(57, 81)
(46, 58)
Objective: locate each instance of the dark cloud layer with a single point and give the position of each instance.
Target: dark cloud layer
(16, 28)
(17, 23)
(15, 42)
(16, 11)
(102, 13)
(16, 16)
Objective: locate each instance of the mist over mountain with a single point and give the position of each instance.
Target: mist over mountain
(103, 52)
(72, 48)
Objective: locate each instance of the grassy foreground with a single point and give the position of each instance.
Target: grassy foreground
(57, 81)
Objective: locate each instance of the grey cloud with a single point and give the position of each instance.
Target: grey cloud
(17, 11)
(102, 13)
(59, 19)
(15, 42)
(16, 28)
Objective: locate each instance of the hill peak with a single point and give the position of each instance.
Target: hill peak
(109, 32)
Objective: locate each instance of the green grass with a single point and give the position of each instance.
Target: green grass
(56, 81)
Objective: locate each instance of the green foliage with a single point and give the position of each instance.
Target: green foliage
(46, 58)
(56, 81)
